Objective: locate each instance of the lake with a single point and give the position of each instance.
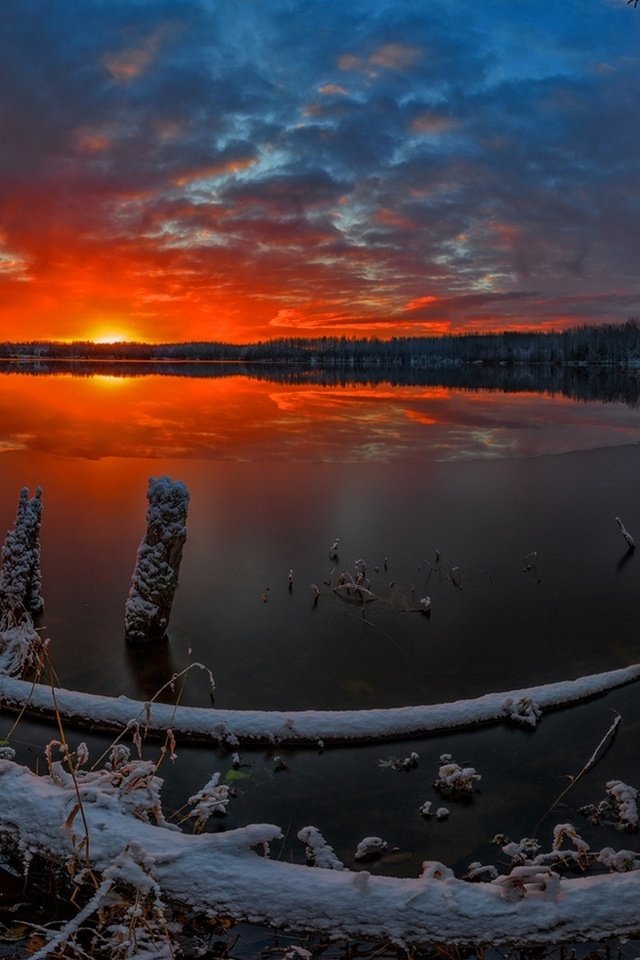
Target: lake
(499, 503)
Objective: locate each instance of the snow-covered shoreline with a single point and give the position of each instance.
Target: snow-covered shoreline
(220, 874)
(301, 727)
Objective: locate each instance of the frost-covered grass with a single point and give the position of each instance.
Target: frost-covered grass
(123, 839)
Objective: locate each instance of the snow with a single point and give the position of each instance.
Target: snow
(454, 779)
(212, 800)
(20, 645)
(318, 853)
(155, 577)
(221, 874)
(306, 726)
(625, 799)
(370, 847)
(20, 575)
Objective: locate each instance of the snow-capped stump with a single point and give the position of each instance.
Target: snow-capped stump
(619, 861)
(155, 577)
(370, 847)
(625, 802)
(454, 779)
(20, 575)
(317, 851)
(619, 809)
(525, 711)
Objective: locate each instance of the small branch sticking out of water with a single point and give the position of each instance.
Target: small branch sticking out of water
(606, 742)
(625, 533)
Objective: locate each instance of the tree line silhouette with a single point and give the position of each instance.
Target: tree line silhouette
(604, 344)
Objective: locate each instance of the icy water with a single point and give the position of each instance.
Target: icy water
(498, 504)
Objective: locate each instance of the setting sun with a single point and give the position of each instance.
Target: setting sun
(109, 336)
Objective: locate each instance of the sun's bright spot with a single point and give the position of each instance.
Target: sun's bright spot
(109, 382)
(109, 336)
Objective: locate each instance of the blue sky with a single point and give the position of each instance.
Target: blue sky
(249, 169)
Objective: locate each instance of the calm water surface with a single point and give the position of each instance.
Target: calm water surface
(402, 474)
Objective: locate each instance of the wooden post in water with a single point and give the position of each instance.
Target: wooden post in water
(20, 574)
(155, 577)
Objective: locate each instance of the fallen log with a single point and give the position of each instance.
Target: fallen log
(220, 874)
(301, 727)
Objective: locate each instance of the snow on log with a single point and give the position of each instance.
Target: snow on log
(20, 645)
(155, 577)
(20, 575)
(307, 726)
(219, 874)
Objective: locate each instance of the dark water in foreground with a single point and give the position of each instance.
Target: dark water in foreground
(275, 473)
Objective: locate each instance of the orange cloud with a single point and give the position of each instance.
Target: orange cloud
(91, 141)
(215, 170)
(420, 302)
(431, 124)
(394, 56)
(332, 89)
(389, 56)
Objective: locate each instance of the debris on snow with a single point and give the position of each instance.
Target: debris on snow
(524, 711)
(212, 800)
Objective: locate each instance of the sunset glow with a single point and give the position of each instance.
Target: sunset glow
(378, 171)
(109, 337)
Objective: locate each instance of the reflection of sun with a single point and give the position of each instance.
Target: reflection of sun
(109, 381)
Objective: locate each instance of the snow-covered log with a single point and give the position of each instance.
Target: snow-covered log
(306, 726)
(20, 575)
(220, 874)
(155, 577)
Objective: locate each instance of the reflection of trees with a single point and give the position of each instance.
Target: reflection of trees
(605, 383)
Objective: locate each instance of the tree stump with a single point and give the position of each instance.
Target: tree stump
(20, 574)
(155, 577)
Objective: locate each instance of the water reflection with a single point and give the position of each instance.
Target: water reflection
(263, 502)
(235, 417)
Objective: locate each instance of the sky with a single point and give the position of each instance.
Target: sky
(252, 169)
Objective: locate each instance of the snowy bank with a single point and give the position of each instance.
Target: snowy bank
(307, 726)
(220, 874)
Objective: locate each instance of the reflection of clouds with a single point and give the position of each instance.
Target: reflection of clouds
(242, 419)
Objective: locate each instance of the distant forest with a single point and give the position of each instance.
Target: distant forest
(606, 344)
